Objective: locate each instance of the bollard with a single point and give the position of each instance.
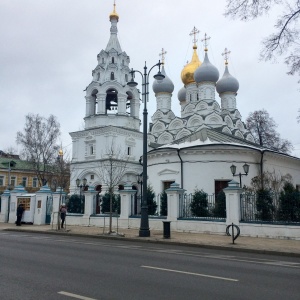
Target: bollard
(234, 237)
(167, 229)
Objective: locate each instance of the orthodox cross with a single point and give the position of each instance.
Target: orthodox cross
(194, 32)
(205, 40)
(162, 54)
(226, 55)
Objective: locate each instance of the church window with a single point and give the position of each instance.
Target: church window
(91, 150)
(112, 76)
(92, 177)
(191, 97)
(1, 180)
(98, 76)
(103, 60)
(126, 77)
(113, 60)
(128, 151)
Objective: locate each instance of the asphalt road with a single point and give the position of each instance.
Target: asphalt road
(39, 266)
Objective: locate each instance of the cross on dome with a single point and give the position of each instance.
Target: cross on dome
(162, 54)
(226, 55)
(194, 32)
(205, 40)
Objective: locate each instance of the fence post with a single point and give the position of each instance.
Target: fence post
(126, 196)
(89, 204)
(4, 206)
(17, 191)
(57, 201)
(41, 205)
(233, 204)
(174, 193)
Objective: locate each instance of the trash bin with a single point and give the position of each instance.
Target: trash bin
(167, 229)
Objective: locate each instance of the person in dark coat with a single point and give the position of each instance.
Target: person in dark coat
(63, 212)
(20, 211)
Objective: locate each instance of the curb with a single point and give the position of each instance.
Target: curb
(165, 241)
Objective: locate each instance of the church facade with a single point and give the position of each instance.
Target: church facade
(195, 149)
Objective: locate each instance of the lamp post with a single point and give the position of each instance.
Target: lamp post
(59, 159)
(246, 170)
(144, 227)
(82, 187)
(140, 181)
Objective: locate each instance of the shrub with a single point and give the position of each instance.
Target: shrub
(264, 205)
(152, 206)
(164, 204)
(75, 204)
(199, 204)
(219, 210)
(105, 205)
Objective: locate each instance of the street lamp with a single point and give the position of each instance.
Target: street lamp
(144, 227)
(59, 159)
(246, 170)
(82, 187)
(139, 179)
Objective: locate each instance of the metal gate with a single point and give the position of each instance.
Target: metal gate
(49, 205)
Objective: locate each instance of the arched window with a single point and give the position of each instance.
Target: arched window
(123, 62)
(103, 60)
(98, 76)
(126, 77)
(113, 60)
(112, 76)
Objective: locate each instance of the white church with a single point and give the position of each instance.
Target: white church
(195, 149)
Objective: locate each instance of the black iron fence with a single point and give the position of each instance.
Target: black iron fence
(270, 207)
(74, 203)
(202, 207)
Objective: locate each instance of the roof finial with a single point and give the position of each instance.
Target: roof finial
(226, 55)
(114, 13)
(162, 54)
(205, 40)
(194, 32)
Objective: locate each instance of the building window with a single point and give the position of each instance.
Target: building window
(98, 76)
(34, 182)
(128, 151)
(112, 76)
(92, 150)
(24, 181)
(126, 77)
(1, 180)
(13, 181)
(102, 60)
(92, 177)
(113, 60)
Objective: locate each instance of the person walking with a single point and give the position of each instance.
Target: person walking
(20, 211)
(63, 212)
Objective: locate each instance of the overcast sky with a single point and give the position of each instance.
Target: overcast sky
(49, 49)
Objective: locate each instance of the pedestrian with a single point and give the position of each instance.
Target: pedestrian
(20, 211)
(63, 212)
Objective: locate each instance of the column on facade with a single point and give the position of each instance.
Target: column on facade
(122, 104)
(41, 205)
(90, 106)
(5, 198)
(174, 194)
(126, 202)
(233, 204)
(101, 99)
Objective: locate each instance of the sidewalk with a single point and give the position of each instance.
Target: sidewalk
(248, 244)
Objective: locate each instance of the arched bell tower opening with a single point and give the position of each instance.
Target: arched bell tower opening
(94, 105)
(111, 104)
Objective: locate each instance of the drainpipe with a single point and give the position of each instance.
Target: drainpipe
(181, 167)
(262, 168)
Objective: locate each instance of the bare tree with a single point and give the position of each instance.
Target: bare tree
(39, 142)
(112, 168)
(284, 39)
(262, 127)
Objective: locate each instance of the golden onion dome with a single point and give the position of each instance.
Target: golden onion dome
(114, 14)
(60, 152)
(187, 74)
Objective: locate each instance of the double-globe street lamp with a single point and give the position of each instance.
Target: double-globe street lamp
(246, 170)
(144, 227)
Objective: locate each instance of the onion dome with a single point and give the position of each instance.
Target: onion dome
(207, 71)
(227, 83)
(182, 94)
(187, 74)
(114, 14)
(164, 85)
